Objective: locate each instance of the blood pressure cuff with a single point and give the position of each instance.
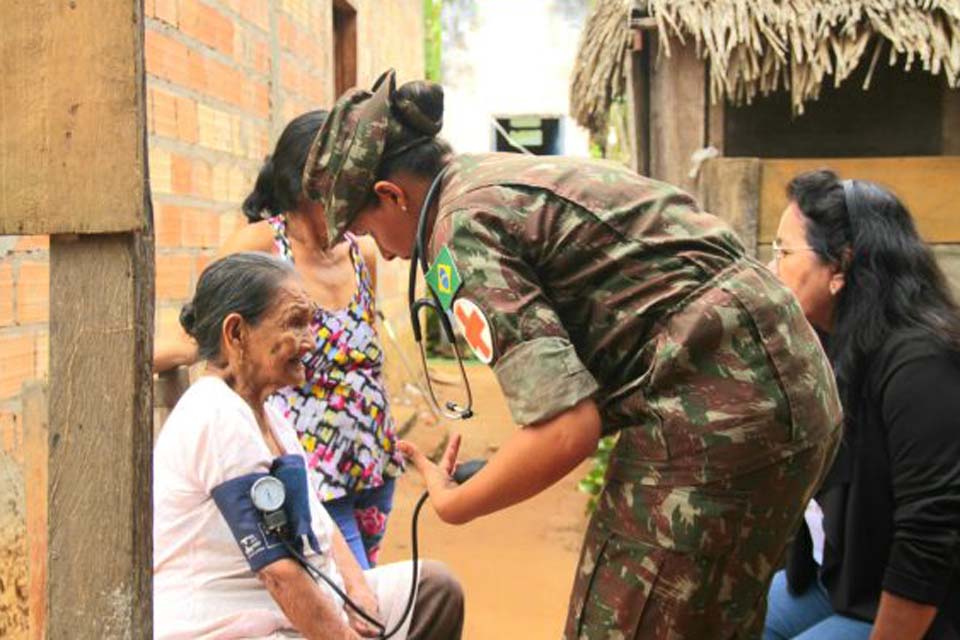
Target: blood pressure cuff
(260, 547)
(292, 472)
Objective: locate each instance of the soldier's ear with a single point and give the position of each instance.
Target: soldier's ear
(390, 194)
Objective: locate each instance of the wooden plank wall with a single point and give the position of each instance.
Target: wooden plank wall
(929, 185)
(729, 189)
(71, 156)
(951, 121)
(73, 143)
(750, 193)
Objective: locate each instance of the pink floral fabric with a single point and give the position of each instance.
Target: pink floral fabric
(342, 412)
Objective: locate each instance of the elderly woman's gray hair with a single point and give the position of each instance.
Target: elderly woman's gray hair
(242, 283)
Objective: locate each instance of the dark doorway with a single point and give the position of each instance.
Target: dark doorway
(899, 115)
(540, 135)
(344, 46)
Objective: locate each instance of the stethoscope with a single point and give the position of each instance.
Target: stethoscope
(268, 494)
(448, 409)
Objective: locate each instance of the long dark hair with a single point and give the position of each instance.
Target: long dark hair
(279, 184)
(892, 283)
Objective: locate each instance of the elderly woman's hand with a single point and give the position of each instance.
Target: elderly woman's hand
(364, 598)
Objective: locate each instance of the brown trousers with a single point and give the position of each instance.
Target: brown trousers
(438, 608)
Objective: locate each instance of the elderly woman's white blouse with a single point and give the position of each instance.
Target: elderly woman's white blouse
(202, 585)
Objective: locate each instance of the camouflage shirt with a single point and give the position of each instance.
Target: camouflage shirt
(571, 265)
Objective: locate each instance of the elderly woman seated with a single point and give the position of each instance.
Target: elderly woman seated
(227, 564)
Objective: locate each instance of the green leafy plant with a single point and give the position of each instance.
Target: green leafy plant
(433, 38)
(592, 483)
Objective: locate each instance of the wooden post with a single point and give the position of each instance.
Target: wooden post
(344, 45)
(716, 126)
(101, 405)
(951, 121)
(730, 189)
(36, 435)
(638, 108)
(73, 156)
(167, 389)
(678, 112)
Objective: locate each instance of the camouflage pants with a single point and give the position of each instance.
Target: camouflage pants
(710, 582)
(722, 443)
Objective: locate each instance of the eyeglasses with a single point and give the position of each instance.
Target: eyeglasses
(780, 252)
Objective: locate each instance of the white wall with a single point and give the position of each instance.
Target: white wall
(509, 57)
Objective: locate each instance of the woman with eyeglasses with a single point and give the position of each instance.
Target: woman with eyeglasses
(879, 554)
(604, 302)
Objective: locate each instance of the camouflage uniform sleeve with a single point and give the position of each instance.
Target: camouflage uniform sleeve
(537, 366)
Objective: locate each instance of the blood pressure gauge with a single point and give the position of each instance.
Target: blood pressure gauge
(267, 494)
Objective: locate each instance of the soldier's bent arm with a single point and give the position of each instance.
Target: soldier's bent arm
(532, 459)
(509, 321)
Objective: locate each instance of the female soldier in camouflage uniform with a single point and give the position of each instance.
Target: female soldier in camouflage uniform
(605, 302)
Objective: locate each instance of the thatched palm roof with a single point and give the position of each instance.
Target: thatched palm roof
(758, 46)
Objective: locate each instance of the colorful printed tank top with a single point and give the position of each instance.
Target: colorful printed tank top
(342, 412)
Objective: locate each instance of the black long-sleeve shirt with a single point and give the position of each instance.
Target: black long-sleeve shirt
(891, 503)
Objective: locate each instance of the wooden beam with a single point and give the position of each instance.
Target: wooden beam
(677, 112)
(951, 121)
(70, 92)
(344, 45)
(35, 439)
(101, 401)
(716, 125)
(730, 189)
(929, 186)
(638, 110)
(167, 389)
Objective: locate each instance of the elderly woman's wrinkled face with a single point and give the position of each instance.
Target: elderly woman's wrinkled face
(814, 281)
(275, 347)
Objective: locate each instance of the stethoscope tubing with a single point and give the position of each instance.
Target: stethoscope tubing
(449, 409)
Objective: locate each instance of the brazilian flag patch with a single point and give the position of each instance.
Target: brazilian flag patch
(444, 278)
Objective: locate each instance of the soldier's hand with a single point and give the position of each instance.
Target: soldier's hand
(437, 476)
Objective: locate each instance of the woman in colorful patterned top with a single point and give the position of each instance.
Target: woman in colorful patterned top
(341, 412)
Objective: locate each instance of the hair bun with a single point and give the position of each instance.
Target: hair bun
(188, 318)
(263, 197)
(419, 106)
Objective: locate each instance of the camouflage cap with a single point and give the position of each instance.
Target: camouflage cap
(342, 164)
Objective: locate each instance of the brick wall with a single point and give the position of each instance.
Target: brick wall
(24, 337)
(400, 24)
(223, 78)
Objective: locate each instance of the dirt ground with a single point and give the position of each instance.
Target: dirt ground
(516, 566)
(13, 552)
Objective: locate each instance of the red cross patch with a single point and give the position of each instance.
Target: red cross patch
(475, 328)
